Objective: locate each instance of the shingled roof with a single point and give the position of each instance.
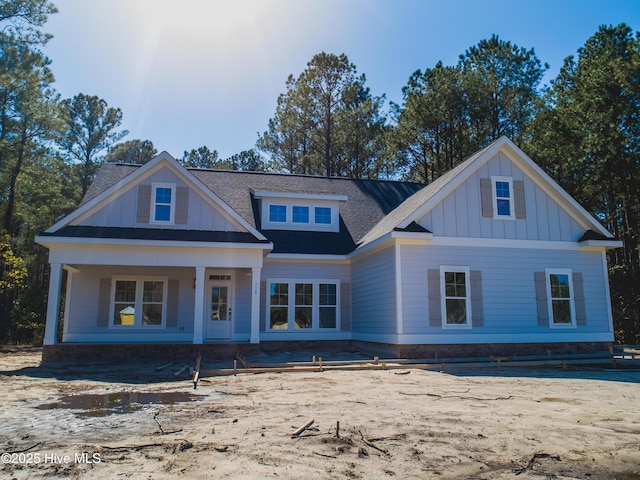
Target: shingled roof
(369, 201)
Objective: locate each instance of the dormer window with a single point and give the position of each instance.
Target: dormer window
(163, 203)
(278, 213)
(300, 214)
(300, 211)
(323, 215)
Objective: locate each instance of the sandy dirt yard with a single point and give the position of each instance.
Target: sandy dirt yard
(544, 423)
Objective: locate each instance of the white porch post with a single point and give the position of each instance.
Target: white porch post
(198, 325)
(255, 305)
(53, 305)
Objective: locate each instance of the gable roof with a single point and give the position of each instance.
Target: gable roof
(421, 202)
(374, 208)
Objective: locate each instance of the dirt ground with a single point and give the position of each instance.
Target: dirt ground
(545, 423)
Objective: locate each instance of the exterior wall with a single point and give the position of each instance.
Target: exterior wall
(546, 220)
(374, 296)
(121, 212)
(82, 311)
(308, 270)
(508, 291)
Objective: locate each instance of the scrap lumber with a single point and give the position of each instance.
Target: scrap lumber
(181, 370)
(302, 428)
(196, 372)
(162, 367)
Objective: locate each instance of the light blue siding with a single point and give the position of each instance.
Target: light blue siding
(121, 211)
(459, 214)
(374, 293)
(83, 309)
(509, 299)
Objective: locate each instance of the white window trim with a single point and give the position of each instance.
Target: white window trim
(560, 271)
(443, 297)
(494, 197)
(315, 315)
(172, 211)
(138, 302)
(289, 224)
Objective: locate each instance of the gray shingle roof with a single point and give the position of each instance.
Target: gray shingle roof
(369, 201)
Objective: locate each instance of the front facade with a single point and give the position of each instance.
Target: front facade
(492, 253)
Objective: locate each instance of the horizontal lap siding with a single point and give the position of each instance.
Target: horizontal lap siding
(83, 310)
(242, 305)
(373, 293)
(509, 301)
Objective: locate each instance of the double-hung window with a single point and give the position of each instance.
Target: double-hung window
(456, 298)
(303, 305)
(560, 297)
(139, 302)
(503, 197)
(163, 203)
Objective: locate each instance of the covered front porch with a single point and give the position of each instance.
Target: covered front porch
(154, 293)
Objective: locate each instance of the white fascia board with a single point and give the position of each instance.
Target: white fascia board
(421, 237)
(49, 241)
(600, 244)
(470, 242)
(300, 196)
(297, 257)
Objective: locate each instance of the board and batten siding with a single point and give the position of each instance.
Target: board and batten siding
(122, 211)
(374, 294)
(508, 290)
(242, 305)
(459, 214)
(84, 309)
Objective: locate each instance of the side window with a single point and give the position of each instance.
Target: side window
(456, 301)
(139, 302)
(561, 301)
(502, 189)
(163, 203)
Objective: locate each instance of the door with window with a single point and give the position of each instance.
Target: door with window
(219, 310)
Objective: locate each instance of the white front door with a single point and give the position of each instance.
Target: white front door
(219, 310)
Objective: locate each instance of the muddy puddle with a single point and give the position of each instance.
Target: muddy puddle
(99, 405)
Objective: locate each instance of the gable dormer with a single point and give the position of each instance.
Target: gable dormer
(298, 211)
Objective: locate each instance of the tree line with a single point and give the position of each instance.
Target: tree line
(583, 129)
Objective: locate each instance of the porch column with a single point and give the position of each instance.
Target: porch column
(53, 305)
(199, 307)
(255, 305)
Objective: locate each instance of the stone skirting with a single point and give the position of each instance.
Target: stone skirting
(119, 353)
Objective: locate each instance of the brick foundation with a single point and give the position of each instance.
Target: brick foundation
(120, 353)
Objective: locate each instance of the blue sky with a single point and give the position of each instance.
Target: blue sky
(209, 72)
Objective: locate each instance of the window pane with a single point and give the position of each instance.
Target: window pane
(125, 291)
(502, 190)
(300, 214)
(279, 293)
(455, 285)
(328, 294)
(456, 311)
(323, 215)
(124, 313)
(152, 314)
(327, 317)
(163, 195)
(277, 213)
(561, 311)
(504, 207)
(279, 318)
(303, 317)
(152, 291)
(559, 286)
(163, 213)
(304, 294)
